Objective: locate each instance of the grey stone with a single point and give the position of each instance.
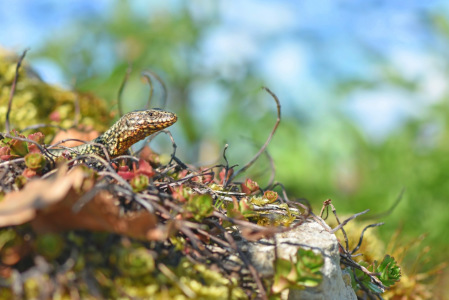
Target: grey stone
(335, 284)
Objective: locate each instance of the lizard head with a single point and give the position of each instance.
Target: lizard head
(137, 125)
(148, 121)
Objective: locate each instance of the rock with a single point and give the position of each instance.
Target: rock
(310, 235)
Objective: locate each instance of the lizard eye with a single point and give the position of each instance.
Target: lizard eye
(151, 114)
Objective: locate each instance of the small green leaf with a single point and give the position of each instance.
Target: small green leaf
(283, 277)
(246, 208)
(139, 183)
(19, 148)
(373, 287)
(304, 273)
(135, 262)
(20, 181)
(389, 271)
(200, 206)
(35, 161)
(308, 267)
(50, 245)
(259, 201)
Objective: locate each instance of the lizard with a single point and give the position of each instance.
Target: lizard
(128, 130)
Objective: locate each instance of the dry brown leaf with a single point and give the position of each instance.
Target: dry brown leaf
(85, 135)
(48, 204)
(99, 214)
(20, 207)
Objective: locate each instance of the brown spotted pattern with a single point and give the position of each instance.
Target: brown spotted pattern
(128, 130)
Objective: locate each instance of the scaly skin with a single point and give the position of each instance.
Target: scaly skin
(128, 130)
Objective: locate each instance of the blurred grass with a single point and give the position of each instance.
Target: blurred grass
(316, 161)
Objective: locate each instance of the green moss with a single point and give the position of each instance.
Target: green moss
(36, 102)
(49, 245)
(135, 262)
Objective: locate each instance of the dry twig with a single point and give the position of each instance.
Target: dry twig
(261, 150)
(13, 89)
(147, 75)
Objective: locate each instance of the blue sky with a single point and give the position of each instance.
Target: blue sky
(301, 48)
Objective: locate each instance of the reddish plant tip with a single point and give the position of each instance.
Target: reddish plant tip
(28, 173)
(55, 116)
(223, 173)
(123, 169)
(249, 186)
(271, 196)
(38, 137)
(5, 153)
(127, 175)
(145, 169)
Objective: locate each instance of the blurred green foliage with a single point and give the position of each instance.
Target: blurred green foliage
(342, 164)
(304, 272)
